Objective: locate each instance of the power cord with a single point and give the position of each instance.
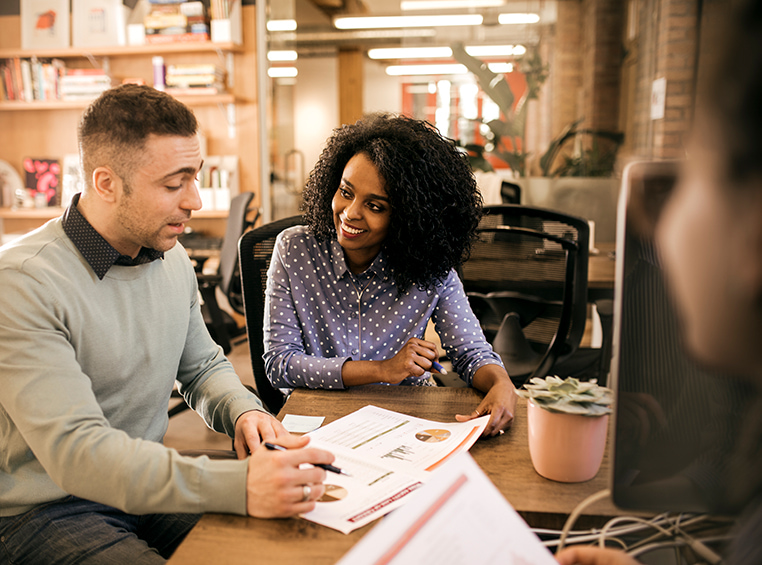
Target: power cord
(667, 531)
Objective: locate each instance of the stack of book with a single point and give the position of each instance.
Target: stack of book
(194, 78)
(30, 79)
(84, 84)
(172, 21)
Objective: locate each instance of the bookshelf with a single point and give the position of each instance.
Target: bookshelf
(48, 128)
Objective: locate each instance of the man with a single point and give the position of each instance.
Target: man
(99, 316)
(710, 241)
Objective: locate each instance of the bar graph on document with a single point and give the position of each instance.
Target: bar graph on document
(388, 455)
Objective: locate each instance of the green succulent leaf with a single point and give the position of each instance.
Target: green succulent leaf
(569, 395)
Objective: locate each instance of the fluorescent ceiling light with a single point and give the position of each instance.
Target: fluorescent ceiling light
(495, 50)
(501, 67)
(407, 33)
(410, 53)
(517, 18)
(368, 22)
(281, 25)
(278, 72)
(448, 4)
(282, 55)
(445, 69)
(445, 52)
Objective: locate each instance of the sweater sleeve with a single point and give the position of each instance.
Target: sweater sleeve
(207, 380)
(55, 435)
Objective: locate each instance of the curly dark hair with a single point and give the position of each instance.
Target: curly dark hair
(435, 204)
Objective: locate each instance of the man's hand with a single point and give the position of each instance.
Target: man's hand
(588, 555)
(276, 486)
(499, 401)
(254, 427)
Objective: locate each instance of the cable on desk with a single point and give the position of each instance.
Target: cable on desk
(577, 511)
(670, 532)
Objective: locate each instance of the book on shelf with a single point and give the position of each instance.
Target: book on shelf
(161, 20)
(84, 84)
(164, 39)
(192, 80)
(30, 79)
(193, 9)
(26, 79)
(194, 68)
(195, 90)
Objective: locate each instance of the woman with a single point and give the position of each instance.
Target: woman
(710, 239)
(391, 208)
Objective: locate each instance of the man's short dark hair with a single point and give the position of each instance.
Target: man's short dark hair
(113, 130)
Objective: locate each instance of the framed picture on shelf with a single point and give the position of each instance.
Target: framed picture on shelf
(43, 178)
(97, 23)
(45, 24)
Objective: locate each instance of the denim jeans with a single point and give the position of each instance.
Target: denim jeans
(72, 530)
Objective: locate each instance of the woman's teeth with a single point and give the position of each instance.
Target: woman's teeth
(353, 231)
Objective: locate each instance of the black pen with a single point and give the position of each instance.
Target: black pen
(326, 466)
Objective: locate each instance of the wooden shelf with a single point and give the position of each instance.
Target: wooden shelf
(55, 211)
(196, 100)
(124, 50)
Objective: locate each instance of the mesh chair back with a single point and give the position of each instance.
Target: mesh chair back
(230, 281)
(256, 248)
(531, 263)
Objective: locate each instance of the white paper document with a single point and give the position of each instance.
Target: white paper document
(388, 455)
(458, 518)
(302, 424)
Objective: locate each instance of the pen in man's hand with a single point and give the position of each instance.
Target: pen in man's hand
(326, 466)
(438, 367)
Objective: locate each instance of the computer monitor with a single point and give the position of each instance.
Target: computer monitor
(676, 423)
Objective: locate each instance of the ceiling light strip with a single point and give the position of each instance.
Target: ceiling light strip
(442, 69)
(369, 22)
(410, 5)
(444, 52)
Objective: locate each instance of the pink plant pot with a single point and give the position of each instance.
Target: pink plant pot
(565, 447)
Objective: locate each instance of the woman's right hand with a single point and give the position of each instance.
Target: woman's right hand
(413, 360)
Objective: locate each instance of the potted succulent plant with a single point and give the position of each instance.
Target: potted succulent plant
(567, 421)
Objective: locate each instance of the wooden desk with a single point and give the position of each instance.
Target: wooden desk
(601, 268)
(505, 459)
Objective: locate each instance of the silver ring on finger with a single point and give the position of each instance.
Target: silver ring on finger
(306, 492)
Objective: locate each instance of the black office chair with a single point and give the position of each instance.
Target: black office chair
(222, 326)
(255, 251)
(526, 281)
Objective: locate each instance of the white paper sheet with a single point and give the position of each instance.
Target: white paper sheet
(458, 518)
(388, 455)
(302, 424)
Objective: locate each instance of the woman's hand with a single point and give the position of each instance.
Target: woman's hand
(499, 401)
(413, 360)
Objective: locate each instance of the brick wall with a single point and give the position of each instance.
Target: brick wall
(600, 73)
(665, 46)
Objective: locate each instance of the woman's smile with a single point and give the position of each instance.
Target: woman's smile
(361, 212)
